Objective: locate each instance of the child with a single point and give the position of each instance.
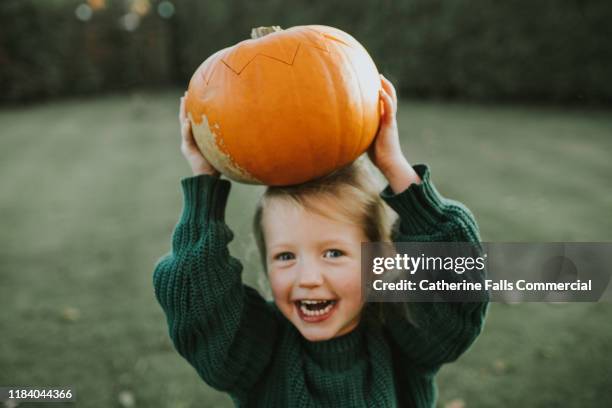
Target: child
(317, 344)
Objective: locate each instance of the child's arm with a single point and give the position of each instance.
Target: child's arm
(438, 332)
(223, 328)
(433, 333)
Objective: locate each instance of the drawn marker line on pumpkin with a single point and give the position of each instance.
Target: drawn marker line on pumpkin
(245, 52)
(232, 65)
(289, 63)
(320, 43)
(207, 74)
(331, 37)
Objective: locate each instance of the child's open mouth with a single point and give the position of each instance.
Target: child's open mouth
(313, 311)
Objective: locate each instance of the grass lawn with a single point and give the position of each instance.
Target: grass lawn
(90, 195)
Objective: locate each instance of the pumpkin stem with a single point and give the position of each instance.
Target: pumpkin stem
(262, 31)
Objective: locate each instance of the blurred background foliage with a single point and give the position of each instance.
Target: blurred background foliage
(549, 50)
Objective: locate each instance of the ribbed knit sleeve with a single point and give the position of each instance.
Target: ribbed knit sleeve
(433, 333)
(223, 328)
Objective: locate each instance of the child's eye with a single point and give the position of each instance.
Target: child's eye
(284, 256)
(333, 253)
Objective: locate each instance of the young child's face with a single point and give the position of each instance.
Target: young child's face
(314, 267)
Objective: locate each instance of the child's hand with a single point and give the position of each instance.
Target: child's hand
(189, 149)
(386, 152)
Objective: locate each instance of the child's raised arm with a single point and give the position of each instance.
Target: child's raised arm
(428, 334)
(225, 329)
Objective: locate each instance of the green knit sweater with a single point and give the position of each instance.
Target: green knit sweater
(241, 344)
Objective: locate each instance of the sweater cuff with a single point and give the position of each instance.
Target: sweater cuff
(420, 206)
(204, 198)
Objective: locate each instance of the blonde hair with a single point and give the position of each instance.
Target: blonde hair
(352, 190)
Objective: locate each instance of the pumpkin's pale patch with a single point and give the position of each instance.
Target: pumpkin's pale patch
(220, 160)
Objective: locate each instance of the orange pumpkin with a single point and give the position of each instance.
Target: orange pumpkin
(285, 107)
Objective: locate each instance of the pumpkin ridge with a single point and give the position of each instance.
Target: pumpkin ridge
(361, 104)
(310, 151)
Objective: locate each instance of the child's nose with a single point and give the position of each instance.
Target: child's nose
(309, 275)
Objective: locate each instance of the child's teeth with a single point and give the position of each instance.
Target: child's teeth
(308, 312)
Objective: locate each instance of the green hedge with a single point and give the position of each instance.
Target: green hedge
(548, 50)
(46, 51)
